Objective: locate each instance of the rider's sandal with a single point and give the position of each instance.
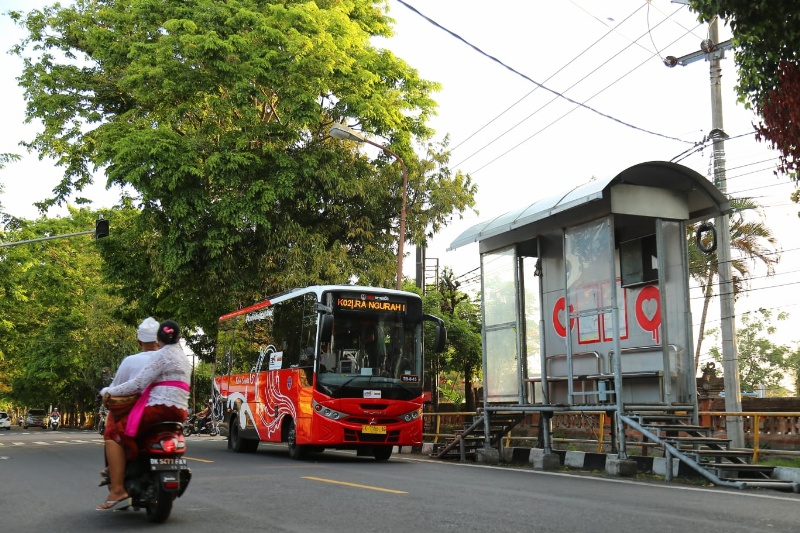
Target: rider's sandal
(115, 505)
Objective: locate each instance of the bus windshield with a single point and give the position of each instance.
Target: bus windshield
(374, 348)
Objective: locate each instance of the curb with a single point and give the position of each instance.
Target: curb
(600, 461)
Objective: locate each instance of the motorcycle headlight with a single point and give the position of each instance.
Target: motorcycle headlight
(327, 412)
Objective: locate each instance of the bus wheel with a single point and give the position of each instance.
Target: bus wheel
(237, 443)
(382, 453)
(295, 450)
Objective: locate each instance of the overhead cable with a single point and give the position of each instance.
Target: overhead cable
(524, 76)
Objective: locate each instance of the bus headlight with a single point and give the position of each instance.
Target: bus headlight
(411, 415)
(327, 412)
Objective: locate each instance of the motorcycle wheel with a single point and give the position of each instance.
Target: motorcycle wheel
(187, 430)
(102, 428)
(158, 510)
(213, 431)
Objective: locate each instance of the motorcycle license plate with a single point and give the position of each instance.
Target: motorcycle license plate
(374, 430)
(167, 463)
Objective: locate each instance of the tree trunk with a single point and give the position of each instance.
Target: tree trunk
(469, 393)
(708, 293)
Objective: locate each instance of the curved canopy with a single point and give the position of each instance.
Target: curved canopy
(593, 199)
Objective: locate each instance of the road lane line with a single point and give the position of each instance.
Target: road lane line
(198, 460)
(43, 443)
(356, 485)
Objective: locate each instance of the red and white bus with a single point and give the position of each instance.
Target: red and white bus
(334, 366)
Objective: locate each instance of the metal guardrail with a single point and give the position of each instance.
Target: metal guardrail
(756, 432)
(758, 416)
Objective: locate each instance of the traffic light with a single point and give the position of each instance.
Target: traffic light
(100, 228)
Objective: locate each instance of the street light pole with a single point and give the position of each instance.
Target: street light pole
(342, 132)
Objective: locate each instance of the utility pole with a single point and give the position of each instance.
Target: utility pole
(420, 263)
(730, 356)
(712, 50)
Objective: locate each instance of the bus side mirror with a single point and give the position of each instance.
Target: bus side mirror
(440, 336)
(325, 326)
(440, 339)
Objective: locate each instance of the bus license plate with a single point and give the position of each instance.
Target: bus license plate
(375, 430)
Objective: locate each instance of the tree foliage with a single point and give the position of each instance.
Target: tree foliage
(761, 361)
(767, 39)
(754, 243)
(462, 317)
(216, 116)
(57, 331)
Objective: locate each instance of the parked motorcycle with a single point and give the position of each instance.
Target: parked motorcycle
(54, 421)
(192, 427)
(159, 474)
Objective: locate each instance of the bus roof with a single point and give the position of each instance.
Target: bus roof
(316, 289)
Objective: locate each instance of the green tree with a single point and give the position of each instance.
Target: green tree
(57, 331)
(462, 317)
(766, 36)
(761, 361)
(753, 240)
(794, 366)
(216, 116)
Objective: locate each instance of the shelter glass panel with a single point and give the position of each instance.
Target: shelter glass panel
(589, 264)
(499, 287)
(502, 376)
(532, 317)
(679, 385)
(501, 344)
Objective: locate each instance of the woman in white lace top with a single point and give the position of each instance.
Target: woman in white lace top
(164, 387)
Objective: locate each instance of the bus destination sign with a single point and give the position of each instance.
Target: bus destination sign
(380, 304)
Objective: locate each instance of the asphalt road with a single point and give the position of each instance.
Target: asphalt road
(48, 482)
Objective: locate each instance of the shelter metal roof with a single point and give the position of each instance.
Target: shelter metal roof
(703, 197)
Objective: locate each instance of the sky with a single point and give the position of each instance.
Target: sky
(505, 68)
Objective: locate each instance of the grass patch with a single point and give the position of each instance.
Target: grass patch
(790, 462)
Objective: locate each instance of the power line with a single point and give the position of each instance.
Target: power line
(568, 113)
(525, 77)
(571, 61)
(556, 98)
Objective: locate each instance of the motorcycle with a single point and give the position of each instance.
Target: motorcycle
(192, 427)
(159, 474)
(54, 420)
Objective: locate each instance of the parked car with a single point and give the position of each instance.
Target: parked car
(36, 418)
(5, 421)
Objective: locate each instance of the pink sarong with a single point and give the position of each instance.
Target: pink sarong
(135, 416)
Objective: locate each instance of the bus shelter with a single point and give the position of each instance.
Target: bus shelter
(585, 297)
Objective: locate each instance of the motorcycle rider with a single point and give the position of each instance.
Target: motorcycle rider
(55, 416)
(164, 386)
(128, 368)
(131, 365)
(204, 416)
